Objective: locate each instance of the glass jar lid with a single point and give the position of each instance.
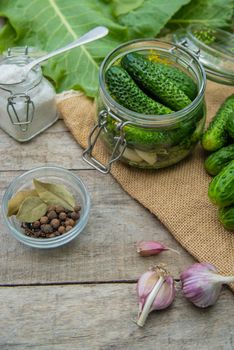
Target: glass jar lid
(215, 48)
(30, 51)
(11, 65)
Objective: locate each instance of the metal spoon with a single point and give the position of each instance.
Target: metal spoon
(94, 34)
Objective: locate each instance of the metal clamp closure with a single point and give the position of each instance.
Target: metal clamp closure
(184, 43)
(196, 52)
(16, 116)
(93, 137)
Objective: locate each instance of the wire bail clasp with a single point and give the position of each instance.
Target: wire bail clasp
(20, 109)
(196, 52)
(119, 146)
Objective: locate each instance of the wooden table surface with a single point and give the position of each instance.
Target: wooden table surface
(82, 295)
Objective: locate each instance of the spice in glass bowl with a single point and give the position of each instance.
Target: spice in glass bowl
(46, 211)
(55, 222)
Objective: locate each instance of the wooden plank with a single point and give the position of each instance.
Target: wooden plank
(55, 145)
(80, 317)
(105, 251)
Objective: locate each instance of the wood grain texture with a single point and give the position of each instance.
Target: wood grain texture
(105, 251)
(55, 145)
(94, 316)
(86, 317)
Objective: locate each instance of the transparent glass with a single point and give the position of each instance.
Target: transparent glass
(27, 108)
(154, 141)
(215, 48)
(52, 174)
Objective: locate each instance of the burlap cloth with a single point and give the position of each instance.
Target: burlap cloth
(177, 196)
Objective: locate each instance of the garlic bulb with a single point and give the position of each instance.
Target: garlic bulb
(202, 284)
(156, 291)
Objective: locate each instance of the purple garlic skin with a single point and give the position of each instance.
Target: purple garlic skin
(201, 284)
(156, 291)
(148, 248)
(165, 295)
(145, 285)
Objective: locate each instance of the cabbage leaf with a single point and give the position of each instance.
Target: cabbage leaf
(50, 24)
(213, 13)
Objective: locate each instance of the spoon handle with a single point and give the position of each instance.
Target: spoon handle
(94, 34)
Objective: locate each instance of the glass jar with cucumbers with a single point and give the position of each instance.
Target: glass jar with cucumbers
(150, 109)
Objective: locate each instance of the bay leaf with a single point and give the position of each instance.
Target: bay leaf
(31, 209)
(54, 194)
(15, 202)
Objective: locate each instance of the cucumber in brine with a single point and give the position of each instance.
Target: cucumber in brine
(154, 82)
(182, 80)
(125, 91)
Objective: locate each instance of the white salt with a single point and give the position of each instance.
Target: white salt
(42, 96)
(13, 73)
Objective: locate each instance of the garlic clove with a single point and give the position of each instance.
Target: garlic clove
(131, 155)
(145, 285)
(201, 284)
(148, 248)
(148, 157)
(165, 295)
(156, 291)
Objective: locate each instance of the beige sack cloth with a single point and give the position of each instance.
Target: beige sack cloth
(176, 195)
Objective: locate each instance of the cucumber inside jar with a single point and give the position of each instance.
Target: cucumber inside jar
(157, 148)
(148, 83)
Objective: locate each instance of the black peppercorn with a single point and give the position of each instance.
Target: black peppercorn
(47, 228)
(37, 234)
(62, 216)
(69, 222)
(52, 215)
(61, 229)
(44, 220)
(59, 209)
(75, 215)
(51, 208)
(55, 223)
(50, 235)
(36, 224)
(68, 228)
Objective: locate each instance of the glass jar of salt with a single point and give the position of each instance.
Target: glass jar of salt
(27, 102)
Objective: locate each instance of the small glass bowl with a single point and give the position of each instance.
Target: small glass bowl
(53, 174)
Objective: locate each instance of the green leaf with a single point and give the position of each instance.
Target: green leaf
(7, 35)
(31, 209)
(54, 194)
(213, 13)
(50, 24)
(15, 202)
(122, 7)
(151, 17)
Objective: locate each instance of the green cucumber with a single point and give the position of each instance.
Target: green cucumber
(125, 91)
(216, 135)
(221, 188)
(226, 217)
(230, 125)
(145, 139)
(182, 80)
(155, 83)
(218, 160)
